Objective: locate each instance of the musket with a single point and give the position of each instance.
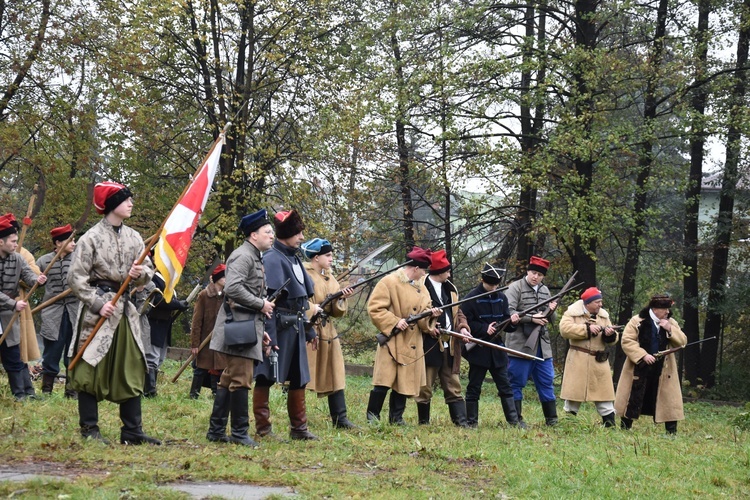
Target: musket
(534, 335)
(501, 326)
(322, 315)
(367, 257)
(489, 344)
(661, 354)
(271, 298)
(33, 288)
(51, 301)
(413, 318)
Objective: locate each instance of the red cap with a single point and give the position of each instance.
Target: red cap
(108, 195)
(61, 233)
(7, 226)
(421, 257)
(538, 264)
(218, 273)
(439, 262)
(591, 294)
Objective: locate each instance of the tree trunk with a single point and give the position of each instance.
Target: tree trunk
(645, 160)
(690, 313)
(720, 260)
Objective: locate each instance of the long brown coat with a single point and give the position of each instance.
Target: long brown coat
(206, 309)
(669, 395)
(327, 373)
(399, 363)
(585, 378)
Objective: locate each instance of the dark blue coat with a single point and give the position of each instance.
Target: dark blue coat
(480, 314)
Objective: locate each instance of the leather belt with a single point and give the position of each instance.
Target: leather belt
(107, 285)
(587, 351)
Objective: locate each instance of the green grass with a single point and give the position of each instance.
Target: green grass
(708, 458)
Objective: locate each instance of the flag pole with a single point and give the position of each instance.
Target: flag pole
(145, 252)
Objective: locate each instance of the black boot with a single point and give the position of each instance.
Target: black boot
(472, 414)
(457, 410)
(337, 406)
(214, 382)
(131, 431)
(48, 382)
(518, 403)
(511, 414)
(396, 407)
(609, 420)
(626, 423)
(149, 386)
(88, 417)
(671, 427)
(240, 422)
(195, 386)
(28, 385)
(17, 385)
(549, 408)
(375, 405)
(423, 412)
(217, 424)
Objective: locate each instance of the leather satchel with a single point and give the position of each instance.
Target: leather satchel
(239, 334)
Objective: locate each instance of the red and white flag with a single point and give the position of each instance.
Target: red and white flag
(171, 251)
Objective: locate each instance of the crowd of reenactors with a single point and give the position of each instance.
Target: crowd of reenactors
(265, 319)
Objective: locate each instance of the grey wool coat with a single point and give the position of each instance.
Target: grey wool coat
(57, 282)
(245, 289)
(13, 270)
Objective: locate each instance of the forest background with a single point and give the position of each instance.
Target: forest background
(609, 137)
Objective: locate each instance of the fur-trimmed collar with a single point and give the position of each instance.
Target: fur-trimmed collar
(403, 278)
(578, 309)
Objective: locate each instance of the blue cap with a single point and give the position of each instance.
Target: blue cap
(316, 246)
(254, 221)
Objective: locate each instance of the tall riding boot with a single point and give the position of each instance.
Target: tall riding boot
(457, 410)
(511, 414)
(295, 405)
(28, 385)
(472, 414)
(88, 417)
(48, 382)
(423, 413)
(149, 386)
(609, 420)
(131, 431)
(195, 386)
(217, 424)
(626, 423)
(549, 408)
(240, 419)
(518, 403)
(337, 406)
(261, 411)
(375, 405)
(671, 427)
(17, 385)
(396, 407)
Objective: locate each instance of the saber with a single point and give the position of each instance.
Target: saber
(489, 344)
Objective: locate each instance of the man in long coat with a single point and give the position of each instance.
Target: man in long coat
(288, 329)
(532, 337)
(587, 327)
(113, 366)
(208, 363)
(443, 355)
(244, 298)
(326, 359)
(398, 363)
(13, 270)
(58, 318)
(649, 385)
